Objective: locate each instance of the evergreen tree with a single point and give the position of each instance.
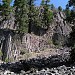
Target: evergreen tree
(31, 14)
(47, 14)
(6, 9)
(37, 19)
(72, 34)
(52, 7)
(72, 14)
(0, 7)
(71, 3)
(21, 15)
(67, 11)
(68, 14)
(60, 8)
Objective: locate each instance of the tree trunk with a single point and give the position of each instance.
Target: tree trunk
(29, 27)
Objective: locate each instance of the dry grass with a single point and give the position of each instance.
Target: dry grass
(46, 53)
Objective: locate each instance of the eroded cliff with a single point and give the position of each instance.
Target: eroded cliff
(14, 45)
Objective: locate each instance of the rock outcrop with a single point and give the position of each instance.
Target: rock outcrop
(59, 29)
(51, 65)
(57, 34)
(8, 24)
(12, 45)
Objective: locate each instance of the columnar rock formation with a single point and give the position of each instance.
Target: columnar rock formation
(12, 44)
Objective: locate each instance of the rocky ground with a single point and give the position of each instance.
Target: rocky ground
(41, 66)
(61, 70)
(47, 64)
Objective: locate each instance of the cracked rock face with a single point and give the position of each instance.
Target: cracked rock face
(61, 30)
(58, 34)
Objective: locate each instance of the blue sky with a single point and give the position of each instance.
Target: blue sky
(56, 3)
(61, 3)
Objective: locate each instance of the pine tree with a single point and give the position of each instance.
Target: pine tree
(52, 7)
(21, 15)
(71, 3)
(31, 14)
(6, 9)
(67, 12)
(60, 8)
(47, 14)
(72, 34)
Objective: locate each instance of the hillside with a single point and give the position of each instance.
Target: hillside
(37, 40)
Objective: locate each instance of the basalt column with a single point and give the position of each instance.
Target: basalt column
(9, 47)
(6, 47)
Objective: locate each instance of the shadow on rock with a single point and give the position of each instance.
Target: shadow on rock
(38, 63)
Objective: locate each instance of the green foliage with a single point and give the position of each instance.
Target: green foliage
(50, 41)
(31, 14)
(27, 55)
(21, 15)
(6, 60)
(72, 38)
(27, 15)
(42, 3)
(58, 46)
(1, 54)
(22, 52)
(47, 14)
(52, 7)
(6, 9)
(50, 16)
(72, 35)
(71, 3)
(60, 8)
(72, 14)
(67, 12)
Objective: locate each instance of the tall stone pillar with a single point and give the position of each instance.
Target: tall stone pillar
(9, 46)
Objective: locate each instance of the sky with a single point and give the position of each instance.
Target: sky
(56, 3)
(61, 3)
